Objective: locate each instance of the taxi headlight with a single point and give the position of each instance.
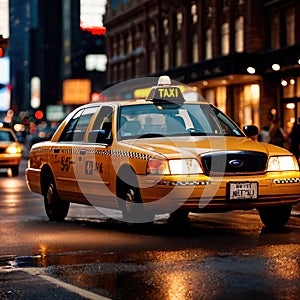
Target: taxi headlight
(13, 150)
(173, 167)
(282, 163)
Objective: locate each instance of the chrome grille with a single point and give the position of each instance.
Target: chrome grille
(234, 162)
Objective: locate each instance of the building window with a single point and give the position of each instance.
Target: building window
(121, 48)
(129, 43)
(291, 108)
(179, 53)
(221, 98)
(152, 33)
(208, 8)
(225, 39)
(195, 48)
(209, 95)
(194, 13)
(152, 61)
(290, 27)
(138, 39)
(166, 26)
(115, 73)
(166, 57)
(121, 69)
(239, 34)
(225, 4)
(289, 87)
(128, 69)
(115, 48)
(275, 31)
(179, 18)
(217, 97)
(137, 66)
(208, 54)
(249, 102)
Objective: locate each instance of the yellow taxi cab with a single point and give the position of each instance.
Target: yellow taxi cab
(163, 154)
(10, 150)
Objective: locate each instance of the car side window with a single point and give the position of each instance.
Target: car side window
(76, 128)
(104, 121)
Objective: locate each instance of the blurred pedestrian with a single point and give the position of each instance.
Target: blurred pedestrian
(264, 135)
(295, 139)
(277, 136)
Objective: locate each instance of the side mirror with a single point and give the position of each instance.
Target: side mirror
(250, 130)
(97, 136)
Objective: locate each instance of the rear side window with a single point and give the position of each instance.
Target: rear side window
(76, 128)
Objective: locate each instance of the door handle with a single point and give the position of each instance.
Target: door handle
(82, 152)
(56, 150)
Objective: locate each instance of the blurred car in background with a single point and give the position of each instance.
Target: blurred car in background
(10, 150)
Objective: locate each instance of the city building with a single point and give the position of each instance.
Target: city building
(241, 55)
(4, 60)
(54, 55)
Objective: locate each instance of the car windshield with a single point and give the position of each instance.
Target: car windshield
(170, 119)
(6, 136)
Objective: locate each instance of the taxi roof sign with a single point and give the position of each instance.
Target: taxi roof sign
(164, 80)
(165, 92)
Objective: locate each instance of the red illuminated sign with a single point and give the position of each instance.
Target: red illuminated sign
(95, 30)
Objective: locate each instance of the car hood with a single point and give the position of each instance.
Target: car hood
(172, 147)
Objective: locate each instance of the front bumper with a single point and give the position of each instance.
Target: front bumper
(201, 193)
(8, 160)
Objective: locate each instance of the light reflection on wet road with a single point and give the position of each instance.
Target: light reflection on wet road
(226, 256)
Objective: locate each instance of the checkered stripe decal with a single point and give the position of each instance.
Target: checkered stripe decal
(105, 152)
(184, 183)
(120, 153)
(286, 180)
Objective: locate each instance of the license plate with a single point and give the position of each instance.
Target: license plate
(243, 190)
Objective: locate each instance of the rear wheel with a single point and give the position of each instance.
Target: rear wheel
(56, 209)
(275, 217)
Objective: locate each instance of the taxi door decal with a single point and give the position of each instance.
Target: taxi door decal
(89, 167)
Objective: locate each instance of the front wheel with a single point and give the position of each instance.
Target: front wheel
(14, 171)
(275, 217)
(56, 209)
(130, 202)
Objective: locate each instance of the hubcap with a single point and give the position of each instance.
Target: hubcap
(50, 196)
(129, 199)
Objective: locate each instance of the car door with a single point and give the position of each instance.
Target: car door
(66, 155)
(95, 161)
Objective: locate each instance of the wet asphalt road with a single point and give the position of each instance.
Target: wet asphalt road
(214, 256)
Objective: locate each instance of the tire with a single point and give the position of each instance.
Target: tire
(15, 171)
(179, 216)
(56, 209)
(275, 217)
(130, 202)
